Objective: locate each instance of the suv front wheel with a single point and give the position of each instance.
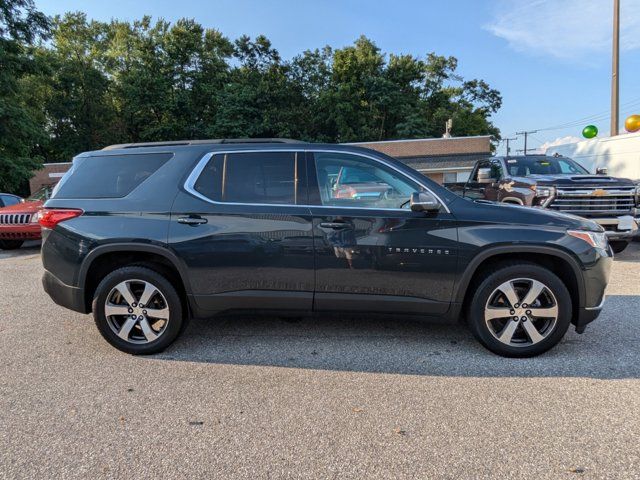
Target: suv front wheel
(137, 310)
(520, 310)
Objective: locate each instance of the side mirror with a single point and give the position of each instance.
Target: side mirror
(484, 176)
(601, 171)
(424, 202)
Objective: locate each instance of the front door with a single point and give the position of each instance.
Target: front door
(243, 231)
(372, 252)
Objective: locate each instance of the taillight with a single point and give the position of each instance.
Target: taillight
(50, 217)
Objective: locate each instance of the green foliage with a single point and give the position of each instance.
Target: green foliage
(100, 83)
(20, 133)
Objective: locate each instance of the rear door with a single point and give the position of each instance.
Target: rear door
(372, 252)
(244, 232)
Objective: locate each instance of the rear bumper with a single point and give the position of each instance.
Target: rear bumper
(62, 294)
(20, 232)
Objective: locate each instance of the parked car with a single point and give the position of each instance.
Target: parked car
(19, 220)
(560, 184)
(137, 234)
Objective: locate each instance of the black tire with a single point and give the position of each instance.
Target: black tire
(618, 246)
(10, 244)
(174, 323)
(487, 285)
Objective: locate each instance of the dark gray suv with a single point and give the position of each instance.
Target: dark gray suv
(146, 236)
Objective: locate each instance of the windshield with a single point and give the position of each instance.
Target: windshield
(524, 166)
(41, 195)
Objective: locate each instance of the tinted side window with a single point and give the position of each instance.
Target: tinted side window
(110, 176)
(354, 181)
(209, 182)
(259, 177)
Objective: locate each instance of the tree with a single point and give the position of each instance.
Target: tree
(21, 25)
(151, 81)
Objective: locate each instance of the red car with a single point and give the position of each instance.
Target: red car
(19, 222)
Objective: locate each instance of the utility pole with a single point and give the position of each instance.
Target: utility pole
(526, 134)
(615, 78)
(507, 140)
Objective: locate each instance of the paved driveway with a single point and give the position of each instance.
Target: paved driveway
(327, 398)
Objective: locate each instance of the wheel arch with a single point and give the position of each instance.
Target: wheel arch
(559, 262)
(512, 201)
(107, 258)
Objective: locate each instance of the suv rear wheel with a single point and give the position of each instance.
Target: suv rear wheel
(520, 310)
(137, 310)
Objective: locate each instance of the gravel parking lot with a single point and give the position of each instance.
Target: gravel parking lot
(318, 398)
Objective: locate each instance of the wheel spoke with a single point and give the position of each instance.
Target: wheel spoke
(149, 291)
(507, 332)
(149, 334)
(126, 328)
(162, 313)
(491, 313)
(509, 292)
(533, 293)
(111, 309)
(126, 293)
(532, 331)
(545, 312)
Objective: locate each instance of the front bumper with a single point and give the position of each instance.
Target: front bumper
(27, 231)
(619, 228)
(64, 295)
(586, 315)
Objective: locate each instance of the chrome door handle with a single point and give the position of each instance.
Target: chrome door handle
(334, 225)
(192, 220)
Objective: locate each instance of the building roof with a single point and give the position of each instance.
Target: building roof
(431, 147)
(444, 162)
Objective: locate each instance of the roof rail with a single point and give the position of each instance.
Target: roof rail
(201, 142)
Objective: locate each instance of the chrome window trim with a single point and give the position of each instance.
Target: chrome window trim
(189, 184)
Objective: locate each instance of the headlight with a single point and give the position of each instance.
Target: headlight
(36, 216)
(638, 195)
(544, 191)
(595, 239)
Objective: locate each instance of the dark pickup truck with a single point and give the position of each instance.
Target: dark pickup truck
(561, 184)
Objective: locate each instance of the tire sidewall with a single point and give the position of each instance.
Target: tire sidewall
(174, 325)
(489, 284)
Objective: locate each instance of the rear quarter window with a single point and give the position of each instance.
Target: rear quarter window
(109, 176)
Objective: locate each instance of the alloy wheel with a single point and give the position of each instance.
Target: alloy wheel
(137, 311)
(521, 312)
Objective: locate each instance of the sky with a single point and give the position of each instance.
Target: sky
(550, 59)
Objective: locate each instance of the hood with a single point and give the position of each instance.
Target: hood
(580, 180)
(24, 207)
(529, 216)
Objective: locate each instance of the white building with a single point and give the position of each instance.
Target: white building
(620, 155)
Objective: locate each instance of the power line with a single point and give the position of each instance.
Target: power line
(526, 134)
(625, 106)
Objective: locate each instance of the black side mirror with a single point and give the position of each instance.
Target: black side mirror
(601, 171)
(424, 202)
